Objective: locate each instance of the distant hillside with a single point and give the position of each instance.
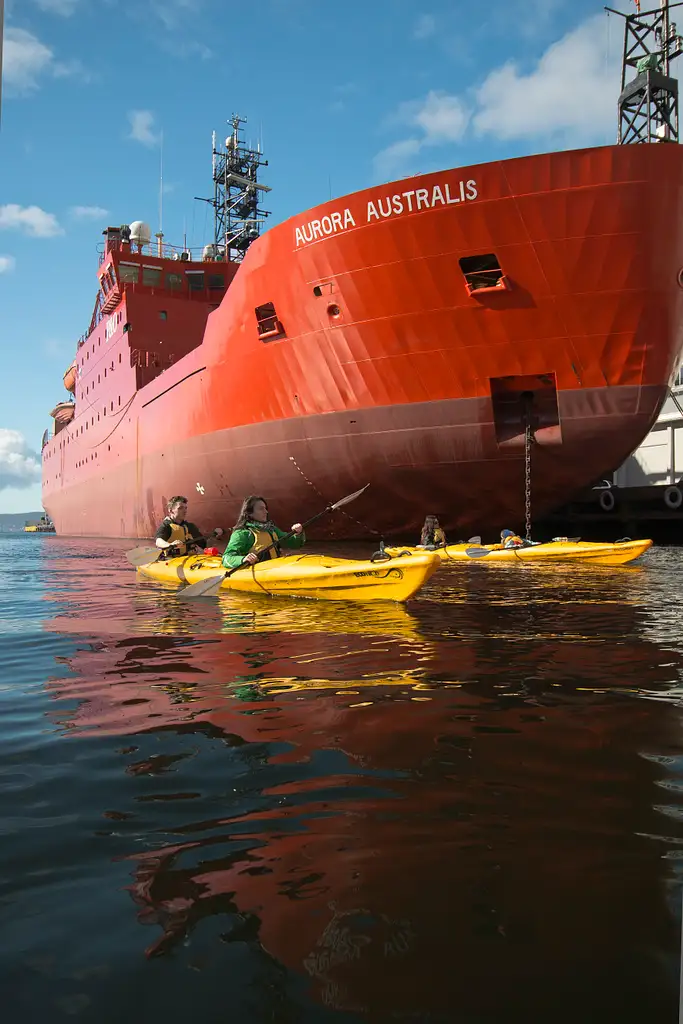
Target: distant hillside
(13, 522)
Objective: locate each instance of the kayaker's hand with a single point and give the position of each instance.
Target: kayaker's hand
(250, 559)
(297, 528)
(218, 532)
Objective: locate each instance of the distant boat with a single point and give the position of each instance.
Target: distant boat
(44, 525)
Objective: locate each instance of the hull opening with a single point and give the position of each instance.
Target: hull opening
(513, 398)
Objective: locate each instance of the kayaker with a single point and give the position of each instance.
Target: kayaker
(254, 531)
(432, 535)
(177, 534)
(508, 539)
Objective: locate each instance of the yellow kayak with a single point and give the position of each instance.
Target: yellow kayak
(316, 576)
(590, 552)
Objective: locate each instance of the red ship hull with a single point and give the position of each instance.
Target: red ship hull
(384, 367)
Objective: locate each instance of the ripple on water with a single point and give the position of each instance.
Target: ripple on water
(320, 812)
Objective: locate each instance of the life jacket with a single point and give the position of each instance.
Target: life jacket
(513, 542)
(436, 538)
(263, 539)
(181, 535)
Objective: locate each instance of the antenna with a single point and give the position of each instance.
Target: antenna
(160, 233)
(161, 182)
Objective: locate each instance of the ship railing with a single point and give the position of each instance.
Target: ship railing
(163, 250)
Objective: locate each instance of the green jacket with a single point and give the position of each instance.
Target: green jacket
(242, 541)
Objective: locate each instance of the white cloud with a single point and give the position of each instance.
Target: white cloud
(89, 212)
(25, 59)
(425, 27)
(343, 93)
(173, 24)
(63, 7)
(141, 127)
(510, 104)
(173, 12)
(71, 69)
(7, 263)
(438, 118)
(19, 465)
(186, 48)
(395, 159)
(442, 118)
(571, 93)
(29, 219)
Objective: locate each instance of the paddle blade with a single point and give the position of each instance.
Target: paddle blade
(203, 588)
(143, 555)
(349, 498)
(477, 552)
(474, 540)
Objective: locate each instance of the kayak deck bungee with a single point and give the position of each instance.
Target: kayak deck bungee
(588, 552)
(314, 576)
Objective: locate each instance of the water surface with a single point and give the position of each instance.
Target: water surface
(468, 809)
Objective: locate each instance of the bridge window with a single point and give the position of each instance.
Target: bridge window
(151, 276)
(129, 273)
(195, 279)
(174, 282)
(216, 282)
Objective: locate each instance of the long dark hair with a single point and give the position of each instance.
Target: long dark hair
(247, 510)
(431, 524)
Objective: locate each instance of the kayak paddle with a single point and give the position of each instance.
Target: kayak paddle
(477, 552)
(145, 555)
(480, 552)
(210, 586)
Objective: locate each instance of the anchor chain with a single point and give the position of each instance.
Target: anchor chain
(528, 441)
(353, 519)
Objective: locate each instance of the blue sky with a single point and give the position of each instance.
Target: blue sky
(342, 96)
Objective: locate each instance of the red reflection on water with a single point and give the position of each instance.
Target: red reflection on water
(500, 866)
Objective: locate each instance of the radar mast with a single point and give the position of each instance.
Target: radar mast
(238, 219)
(648, 103)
